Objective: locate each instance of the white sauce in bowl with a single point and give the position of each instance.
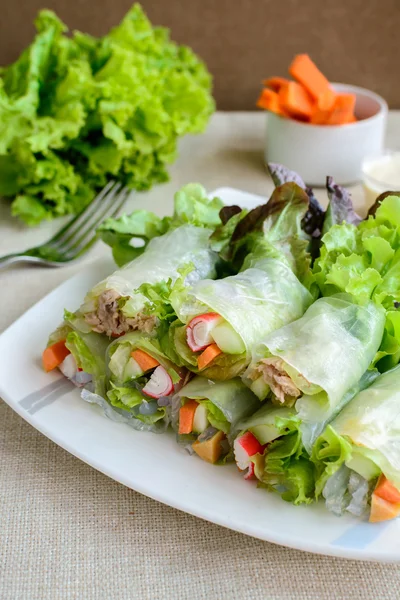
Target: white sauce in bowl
(381, 174)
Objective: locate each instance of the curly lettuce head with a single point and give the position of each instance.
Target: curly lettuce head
(77, 111)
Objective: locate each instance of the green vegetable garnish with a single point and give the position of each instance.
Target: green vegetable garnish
(77, 111)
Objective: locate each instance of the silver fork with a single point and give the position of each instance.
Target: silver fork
(78, 235)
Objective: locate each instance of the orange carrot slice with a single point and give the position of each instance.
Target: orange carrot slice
(296, 101)
(269, 100)
(307, 73)
(54, 355)
(382, 510)
(386, 490)
(275, 83)
(144, 360)
(206, 357)
(343, 110)
(186, 416)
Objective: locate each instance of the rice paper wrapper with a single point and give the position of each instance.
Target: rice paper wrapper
(255, 302)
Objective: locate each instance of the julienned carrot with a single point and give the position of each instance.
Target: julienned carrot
(144, 360)
(296, 101)
(275, 83)
(269, 100)
(54, 355)
(209, 354)
(186, 416)
(343, 110)
(386, 490)
(306, 72)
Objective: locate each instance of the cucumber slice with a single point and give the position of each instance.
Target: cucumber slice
(363, 466)
(227, 339)
(132, 370)
(265, 433)
(260, 388)
(200, 421)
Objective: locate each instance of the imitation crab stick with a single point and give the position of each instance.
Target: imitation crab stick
(186, 416)
(296, 101)
(307, 73)
(206, 357)
(54, 355)
(198, 331)
(144, 360)
(270, 101)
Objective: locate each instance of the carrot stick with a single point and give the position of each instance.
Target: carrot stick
(144, 360)
(208, 355)
(382, 510)
(306, 72)
(269, 100)
(275, 83)
(386, 490)
(296, 101)
(343, 110)
(186, 416)
(54, 355)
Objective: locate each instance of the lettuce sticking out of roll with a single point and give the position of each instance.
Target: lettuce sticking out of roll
(79, 356)
(269, 447)
(313, 362)
(192, 206)
(204, 413)
(221, 321)
(358, 454)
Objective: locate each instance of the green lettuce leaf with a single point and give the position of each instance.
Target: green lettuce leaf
(77, 111)
(285, 466)
(89, 351)
(191, 206)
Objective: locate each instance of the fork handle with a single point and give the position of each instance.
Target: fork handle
(11, 258)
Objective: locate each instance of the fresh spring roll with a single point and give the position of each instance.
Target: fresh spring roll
(205, 411)
(142, 380)
(114, 306)
(270, 446)
(221, 321)
(79, 356)
(313, 362)
(358, 454)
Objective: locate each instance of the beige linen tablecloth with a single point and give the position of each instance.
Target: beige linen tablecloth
(69, 532)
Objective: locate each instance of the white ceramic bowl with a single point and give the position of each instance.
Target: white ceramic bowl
(315, 151)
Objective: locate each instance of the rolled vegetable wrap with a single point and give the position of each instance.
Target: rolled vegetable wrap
(205, 413)
(225, 319)
(114, 306)
(358, 454)
(314, 361)
(271, 446)
(142, 380)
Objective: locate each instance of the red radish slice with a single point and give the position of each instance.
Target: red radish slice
(159, 385)
(250, 472)
(198, 331)
(244, 447)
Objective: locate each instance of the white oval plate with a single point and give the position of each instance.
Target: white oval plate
(153, 464)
